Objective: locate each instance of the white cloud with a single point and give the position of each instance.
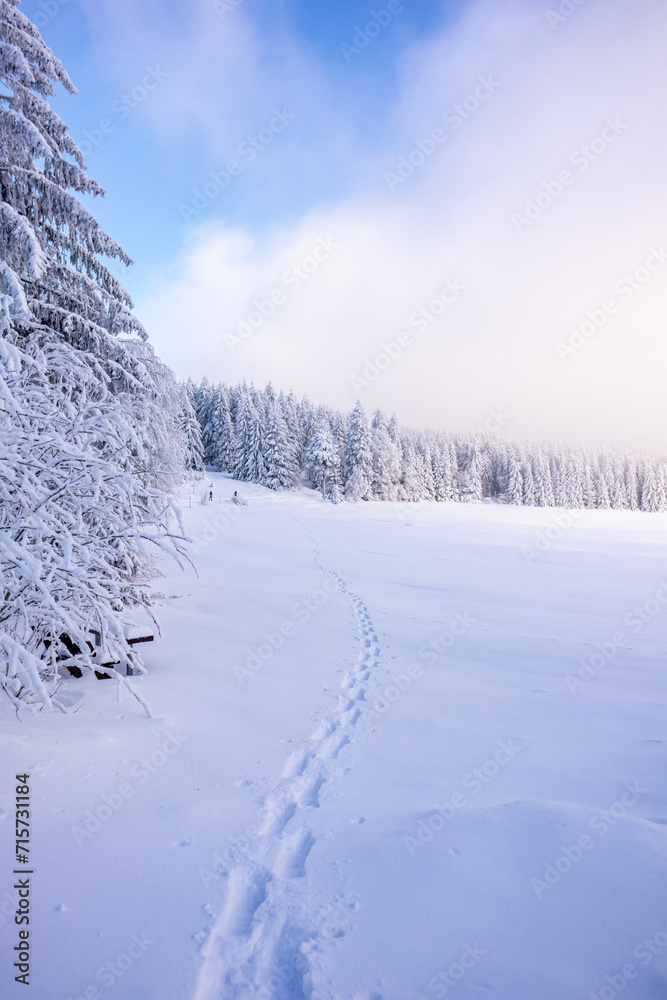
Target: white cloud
(453, 219)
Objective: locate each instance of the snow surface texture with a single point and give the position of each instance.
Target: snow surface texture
(430, 761)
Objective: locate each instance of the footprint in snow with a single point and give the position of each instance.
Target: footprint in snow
(276, 816)
(246, 893)
(309, 792)
(293, 853)
(325, 728)
(296, 764)
(331, 748)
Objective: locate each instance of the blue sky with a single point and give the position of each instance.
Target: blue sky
(148, 174)
(512, 149)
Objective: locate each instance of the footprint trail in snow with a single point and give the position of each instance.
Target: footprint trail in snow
(258, 946)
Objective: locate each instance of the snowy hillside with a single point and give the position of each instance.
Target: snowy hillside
(397, 752)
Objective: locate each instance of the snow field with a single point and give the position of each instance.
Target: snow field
(405, 799)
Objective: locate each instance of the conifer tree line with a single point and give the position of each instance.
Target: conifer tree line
(92, 425)
(271, 438)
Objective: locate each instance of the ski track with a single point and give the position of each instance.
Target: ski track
(254, 949)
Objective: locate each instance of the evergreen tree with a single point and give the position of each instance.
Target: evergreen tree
(470, 483)
(443, 473)
(632, 485)
(410, 488)
(528, 483)
(358, 456)
(281, 470)
(220, 432)
(83, 438)
(618, 498)
(515, 493)
(245, 414)
(589, 488)
(191, 431)
(558, 477)
(652, 496)
(386, 460)
(602, 498)
(335, 494)
(425, 477)
(322, 463)
(295, 434)
(574, 482)
(255, 465)
(542, 488)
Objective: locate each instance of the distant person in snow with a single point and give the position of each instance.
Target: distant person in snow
(210, 496)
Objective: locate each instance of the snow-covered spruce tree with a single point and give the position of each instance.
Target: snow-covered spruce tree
(255, 468)
(544, 496)
(281, 469)
(220, 431)
(171, 443)
(631, 484)
(386, 460)
(295, 431)
(515, 477)
(322, 459)
(75, 523)
(443, 472)
(652, 488)
(191, 431)
(425, 472)
(245, 414)
(358, 456)
(409, 485)
(79, 425)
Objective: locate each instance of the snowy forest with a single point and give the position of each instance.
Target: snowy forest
(277, 440)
